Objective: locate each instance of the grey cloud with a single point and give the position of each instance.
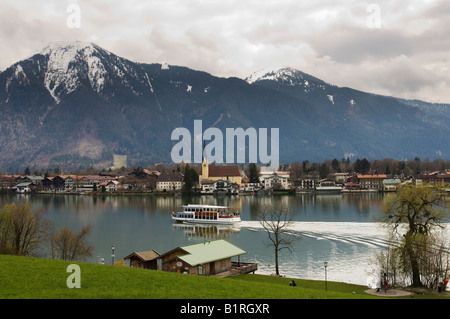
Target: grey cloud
(404, 76)
(350, 44)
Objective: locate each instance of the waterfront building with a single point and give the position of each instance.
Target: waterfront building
(372, 181)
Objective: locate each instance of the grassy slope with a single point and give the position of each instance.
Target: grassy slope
(36, 278)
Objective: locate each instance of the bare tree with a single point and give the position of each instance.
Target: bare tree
(66, 245)
(276, 222)
(389, 262)
(22, 230)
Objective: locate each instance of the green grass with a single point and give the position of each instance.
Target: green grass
(37, 278)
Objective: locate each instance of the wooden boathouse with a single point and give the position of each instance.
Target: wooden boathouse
(210, 258)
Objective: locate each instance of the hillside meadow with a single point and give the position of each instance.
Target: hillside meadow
(38, 278)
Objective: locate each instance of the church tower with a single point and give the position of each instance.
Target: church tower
(205, 166)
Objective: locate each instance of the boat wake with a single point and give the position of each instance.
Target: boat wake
(348, 247)
(370, 234)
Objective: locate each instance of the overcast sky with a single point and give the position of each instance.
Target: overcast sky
(398, 48)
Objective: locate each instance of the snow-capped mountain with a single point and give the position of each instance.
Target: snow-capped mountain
(294, 82)
(284, 75)
(75, 104)
(71, 63)
(331, 98)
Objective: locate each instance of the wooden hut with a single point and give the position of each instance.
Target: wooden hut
(143, 259)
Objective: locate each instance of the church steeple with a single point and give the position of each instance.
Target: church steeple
(205, 166)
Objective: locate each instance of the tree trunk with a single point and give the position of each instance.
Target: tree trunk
(277, 272)
(415, 271)
(413, 259)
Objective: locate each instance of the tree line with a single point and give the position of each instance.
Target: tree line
(364, 166)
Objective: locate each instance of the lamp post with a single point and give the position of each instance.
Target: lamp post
(325, 264)
(112, 254)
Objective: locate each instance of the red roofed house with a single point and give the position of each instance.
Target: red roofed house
(110, 186)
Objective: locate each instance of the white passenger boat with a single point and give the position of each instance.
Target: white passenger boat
(207, 214)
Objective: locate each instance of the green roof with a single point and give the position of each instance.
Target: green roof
(391, 181)
(24, 184)
(210, 251)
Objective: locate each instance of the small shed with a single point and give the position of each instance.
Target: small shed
(143, 259)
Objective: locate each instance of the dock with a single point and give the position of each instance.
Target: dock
(238, 268)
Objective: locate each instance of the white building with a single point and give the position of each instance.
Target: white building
(270, 178)
(169, 181)
(219, 186)
(110, 186)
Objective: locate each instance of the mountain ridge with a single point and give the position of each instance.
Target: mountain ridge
(74, 104)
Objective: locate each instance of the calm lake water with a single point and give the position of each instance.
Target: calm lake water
(339, 229)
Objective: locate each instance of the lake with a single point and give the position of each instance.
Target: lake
(340, 229)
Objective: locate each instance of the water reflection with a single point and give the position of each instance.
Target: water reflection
(206, 232)
(347, 206)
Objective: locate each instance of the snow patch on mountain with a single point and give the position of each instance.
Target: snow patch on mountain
(63, 68)
(271, 73)
(97, 73)
(60, 74)
(290, 77)
(331, 98)
(18, 76)
(19, 72)
(149, 83)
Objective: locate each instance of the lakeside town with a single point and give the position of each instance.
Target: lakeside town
(328, 177)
